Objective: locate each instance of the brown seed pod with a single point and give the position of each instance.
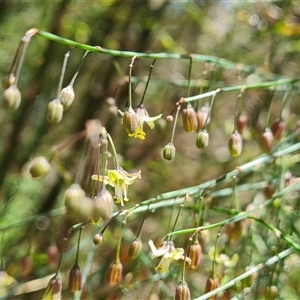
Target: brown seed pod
(267, 141)
(75, 279)
(235, 144)
(169, 151)
(202, 139)
(195, 253)
(130, 121)
(54, 288)
(114, 275)
(189, 118)
(211, 284)
(277, 128)
(241, 123)
(182, 291)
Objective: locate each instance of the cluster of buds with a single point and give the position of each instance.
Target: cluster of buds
(81, 208)
(195, 253)
(182, 291)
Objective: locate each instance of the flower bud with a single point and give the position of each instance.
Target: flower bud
(241, 123)
(194, 253)
(266, 141)
(97, 239)
(169, 151)
(7, 81)
(271, 292)
(67, 96)
(203, 117)
(78, 206)
(211, 284)
(114, 275)
(235, 144)
(52, 256)
(135, 248)
(26, 265)
(130, 121)
(202, 139)
(189, 118)
(277, 128)
(75, 279)
(12, 98)
(182, 291)
(55, 111)
(169, 119)
(269, 190)
(103, 205)
(54, 288)
(236, 230)
(39, 167)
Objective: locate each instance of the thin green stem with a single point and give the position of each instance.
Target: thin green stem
(129, 89)
(196, 57)
(62, 74)
(80, 65)
(175, 123)
(117, 164)
(78, 245)
(189, 77)
(147, 83)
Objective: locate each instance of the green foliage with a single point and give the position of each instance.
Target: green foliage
(229, 209)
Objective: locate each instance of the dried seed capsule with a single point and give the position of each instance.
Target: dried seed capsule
(114, 275)
(75, 279)
(12, 98)
(235, 144)
(54, 288)
(130, 121)
(202, 139)
(277, 128)
(189, 118)
(203, 117)
(271, 292)
(55, 111)
(211, 284)
(267, 141)
(67, 96)
(39, 167)
(194, 253)
(169, 151)
(241, 123)
(7, 81)
(97, 239)
(182, 291)
(103, 205)
(135, 248)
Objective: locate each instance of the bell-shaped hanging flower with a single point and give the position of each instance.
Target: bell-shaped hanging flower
(168, 253)
(133, 121)
(120, 180)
